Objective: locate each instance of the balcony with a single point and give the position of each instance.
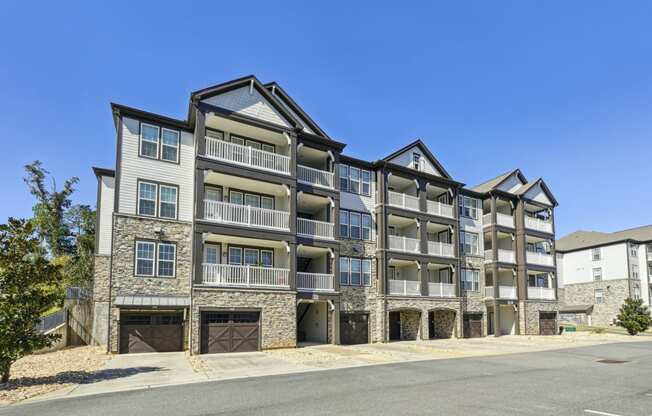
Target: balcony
(503, 220)
(404, 201)
(437, 208)
(405, 287)
(441, 290)
(315, 282)
(239, 155)
(537, 224)
(504, 256)
(406, 244)
(436, 248)
(227, 213)
(504, 292)
(541, 259)
(315, 229)
(316, 177)
(545, 293)
(245, 276)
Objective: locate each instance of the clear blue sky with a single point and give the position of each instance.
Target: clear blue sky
(560, 89)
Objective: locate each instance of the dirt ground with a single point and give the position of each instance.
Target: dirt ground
(42, 373)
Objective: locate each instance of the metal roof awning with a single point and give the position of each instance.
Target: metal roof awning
(153, 301)
(576, 309)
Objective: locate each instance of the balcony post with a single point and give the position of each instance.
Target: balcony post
(424, 279)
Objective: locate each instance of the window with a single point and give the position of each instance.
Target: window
(167, 201)
(366, 227)
(596, 254)
(344, 223)
(344, 270)
(235, 255)
(149, 140)
(355, 225)
(355, 271)
(634, 271)
(147, 199)
(145, 258)
(170, 145)
(166, 259)
(597, 274)
(470, 207)
(470, 280)
(366, 183)
(354, 181)
(344, 178)
(416, 158)
(469, 243)
(599, 296)
(148, 251)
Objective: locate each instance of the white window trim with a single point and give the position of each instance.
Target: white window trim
(153, 260)
(158, 141)
(173, 261)
(177, 147)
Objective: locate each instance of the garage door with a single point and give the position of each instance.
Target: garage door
(354, 328)
(547, 323)
(229, 332)
(472, 325)
(151, 332)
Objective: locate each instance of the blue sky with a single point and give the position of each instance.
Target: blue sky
(561, 89)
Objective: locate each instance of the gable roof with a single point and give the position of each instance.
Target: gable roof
(581, 239)
(279, 93)
(422, 146)
(239, 83)
(495, 182)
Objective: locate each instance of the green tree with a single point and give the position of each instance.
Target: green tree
(634, 316)
(29, 285)
(50, 209)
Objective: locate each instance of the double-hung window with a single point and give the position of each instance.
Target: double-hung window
(149, 140)
(469, 243)
(147, 199)
(167, 201)
(155, 259)
(470, 280)
(344, 223)
(170, 145)
(344, 178)
(597, 274)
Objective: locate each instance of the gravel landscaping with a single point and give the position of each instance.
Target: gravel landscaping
(43, 373)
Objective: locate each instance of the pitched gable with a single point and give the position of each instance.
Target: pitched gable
(427, 161)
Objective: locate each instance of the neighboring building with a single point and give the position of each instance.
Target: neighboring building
(598, 271)
(244, 227)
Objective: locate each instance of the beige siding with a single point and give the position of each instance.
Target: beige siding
(105, 214)
(133, 167)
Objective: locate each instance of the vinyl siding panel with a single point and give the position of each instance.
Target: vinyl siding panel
(105, 214)
(133, 167)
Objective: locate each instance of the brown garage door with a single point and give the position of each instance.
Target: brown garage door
(547, 323)
(229, 332)
(354, 328)
(140, 332)
(472, 325)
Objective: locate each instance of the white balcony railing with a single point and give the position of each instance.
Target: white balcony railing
(537, 224)
(403, 200)
(400, 243)
(507, 292)
(317, 229)
(546, 293)
(436, 248)
(405, 287)
(437, 208)
(314, 282)
(441, 290)
(315, 177)
(504, 220)
(227, 213)
(245, 276)
(504, 256)
(247, 156)
(541, 259)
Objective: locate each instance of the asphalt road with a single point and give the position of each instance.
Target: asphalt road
(563, 382)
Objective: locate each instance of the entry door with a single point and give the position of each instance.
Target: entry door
(394, 326)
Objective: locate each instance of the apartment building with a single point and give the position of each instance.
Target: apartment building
(246, 227)
(598, 271)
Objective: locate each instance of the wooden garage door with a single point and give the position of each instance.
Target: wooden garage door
(472, 325)
(151, 332)
(229, 332)
(354, 328)
(547, 323)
